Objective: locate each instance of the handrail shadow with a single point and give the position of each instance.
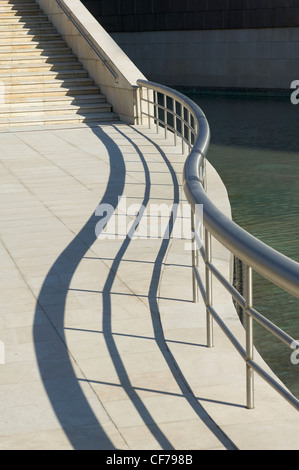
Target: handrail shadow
(66, 410)
(107, 316)
(156, 320)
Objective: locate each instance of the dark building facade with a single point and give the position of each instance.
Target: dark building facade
(248, 44)
(174, 15)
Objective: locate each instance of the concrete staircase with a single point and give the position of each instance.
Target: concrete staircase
(42, 80)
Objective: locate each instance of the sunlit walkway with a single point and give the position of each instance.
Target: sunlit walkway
(104, 348)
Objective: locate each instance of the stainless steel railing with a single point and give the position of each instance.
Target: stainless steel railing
(165, 107)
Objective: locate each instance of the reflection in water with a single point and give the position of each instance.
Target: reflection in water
(255, 149)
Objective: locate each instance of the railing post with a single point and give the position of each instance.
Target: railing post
(174, 121)
(249, 338)
(189, 131)
(141, 99)
(183, 128)
(205, 176)
(209, 289)
(165, 115)
(156, 110)
(194, 258)
(148, 109)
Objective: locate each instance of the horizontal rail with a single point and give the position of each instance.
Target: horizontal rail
(256, 255)
(267, 324)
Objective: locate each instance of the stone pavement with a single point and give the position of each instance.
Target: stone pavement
(104, 348)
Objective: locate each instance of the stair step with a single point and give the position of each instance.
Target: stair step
(31, 111)
(26, 32)
(22, 6)
(18, 5)
(18, 22)
(40, 35)
(22, 27)
(25, 9)
(9, 9)
(32, 69)
(33, 85)
(54, 120)
(20, 10)
(28, 37)
(57, 100)
(34, 49)
(27, 95)
(41, 77)
(14, 2)
(36, 52)
(21, 44)
(24, 16)
(35, 60)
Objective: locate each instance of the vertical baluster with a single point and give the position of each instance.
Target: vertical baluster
(148, 109)
(183, 128)
(157, 111)
(194, 258)
(249, 338)
(141, 98)
(174, 120)
(209, 289)
(189, 131)
(165, 115)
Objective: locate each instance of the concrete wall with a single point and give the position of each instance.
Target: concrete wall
(119, 86)
(264, 58)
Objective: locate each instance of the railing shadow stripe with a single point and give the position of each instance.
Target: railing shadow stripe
(157, 325)
(72, 414)
(107, 318)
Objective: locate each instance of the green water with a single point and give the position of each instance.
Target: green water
(255, 149)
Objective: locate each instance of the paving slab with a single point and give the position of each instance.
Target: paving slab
(104, 348)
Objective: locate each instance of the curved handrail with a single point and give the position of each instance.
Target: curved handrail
(269, 263)
(276, 267)
(256, 255)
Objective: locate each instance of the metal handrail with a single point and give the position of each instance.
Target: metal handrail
(89, 42)
(256, 255)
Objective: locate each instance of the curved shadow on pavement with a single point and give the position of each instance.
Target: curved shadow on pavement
(67, 398)
(107, 317)
(69, 403)
(156, 320)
